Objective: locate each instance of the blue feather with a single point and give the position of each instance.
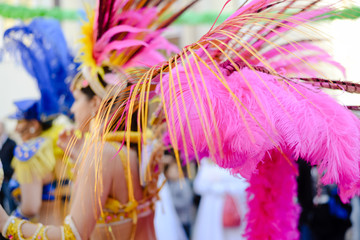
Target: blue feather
(42, 49)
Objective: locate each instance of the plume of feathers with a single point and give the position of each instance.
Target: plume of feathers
(271, 200)
(248, 95)
(41, 48)
(236, 116)
(126, 34)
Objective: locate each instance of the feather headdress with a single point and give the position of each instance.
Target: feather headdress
(232, 96)
(247, 94)
(42, 49)
(121, 35)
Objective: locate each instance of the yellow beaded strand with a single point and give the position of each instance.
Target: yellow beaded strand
(68, 233)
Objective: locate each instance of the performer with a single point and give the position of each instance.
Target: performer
(127, 207)
(90, 90)
(42, 49)
(250, 115)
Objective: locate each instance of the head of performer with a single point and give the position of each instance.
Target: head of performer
(90, 92)
(30, 123)
(41, 48)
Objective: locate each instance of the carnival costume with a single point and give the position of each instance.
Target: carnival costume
(120, 37)
(248, 95)
(236, 96)
(41, 48)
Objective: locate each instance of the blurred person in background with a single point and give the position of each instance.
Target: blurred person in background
(38, 163)
(181, 192)
(7, 146)
(222, 209)
(323, 215)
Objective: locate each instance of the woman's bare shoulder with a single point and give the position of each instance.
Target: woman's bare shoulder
(107, 155)
(111, 151)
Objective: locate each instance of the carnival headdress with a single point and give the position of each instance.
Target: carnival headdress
(41, 48)
(122, 35)
(247, 95)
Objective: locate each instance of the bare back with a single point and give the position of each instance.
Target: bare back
(144, 228)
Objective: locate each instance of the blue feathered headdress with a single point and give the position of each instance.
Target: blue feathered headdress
(42, 50)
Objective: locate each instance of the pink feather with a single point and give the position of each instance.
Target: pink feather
(130, 28)
(299, 53)
(105, 39)
(295, 117)
(117, 45)
(273, 213)
(150, 55)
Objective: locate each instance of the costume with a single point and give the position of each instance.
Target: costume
(119, 36)
(233, 96)
(124, 37)
(38, 157)
(41, 48)
(248, 96)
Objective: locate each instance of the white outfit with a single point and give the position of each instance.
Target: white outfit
(213, 183)
(167, 223)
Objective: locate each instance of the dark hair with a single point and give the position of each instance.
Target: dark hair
(88, 91)
(46, 125)
(170, 152)
(90, 94)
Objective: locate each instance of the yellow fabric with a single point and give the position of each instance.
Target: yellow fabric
(113, 205)
(44, 161)
(115, 211)
(53, 134)
(16, 193)
(61, 163)
(13, 230)
(41, 164)
(41, 235)
(67, 231)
